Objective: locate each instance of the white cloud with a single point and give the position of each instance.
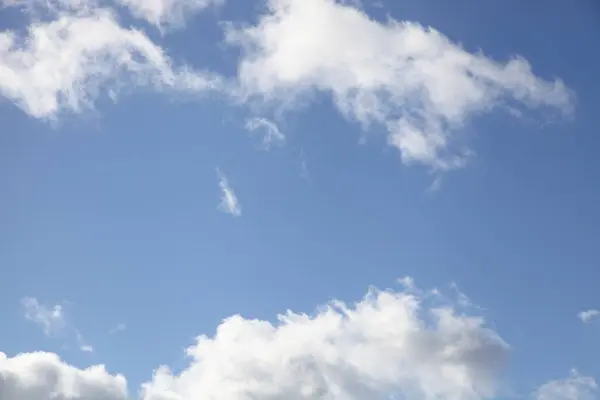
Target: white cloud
(575, 387)
(63, 65)
(412, 80)
(272, 134)
(588, 315)
(167, 12)
(50, 319)
(229, 202)
(43, 376)
(389, 344)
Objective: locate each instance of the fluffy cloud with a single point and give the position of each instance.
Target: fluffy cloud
(50, 319)
(408, 78)
(62, 65)
(229, 202)
(588, 315)
(272, 134)
(389, 344)
(43, 376)
(575, 387)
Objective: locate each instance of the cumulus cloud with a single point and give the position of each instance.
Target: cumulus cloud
(408, 343)
(574, 387)
(587, 315)
(271, 133)
(410, 79)
(63, 64)
(388, 344)
(43, 376)
(229, 202)
(50, 319)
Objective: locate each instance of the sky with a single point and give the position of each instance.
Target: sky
(299, 199)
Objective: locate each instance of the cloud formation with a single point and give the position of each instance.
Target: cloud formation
(408, 78)
(50, 319)
(229, 203)
(388, 344)
(587, 315)
(407, 343)
(271, 133)
(64, 64)
(43, 376)
(574, 387)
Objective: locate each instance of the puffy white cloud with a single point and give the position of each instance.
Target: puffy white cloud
(43, 376)
(229, 202)
(575, 387)
(588, 315)
(409, 78)
(62, 65)
(272, 134)
(50, 319)
(407, 344)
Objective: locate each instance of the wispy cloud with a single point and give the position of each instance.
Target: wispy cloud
(83, 346)
(574, 387)
(50, 318)
(229, 202)
(167, 13)
(119, 328)
(271, 133)
(64, 64)
(587, 315)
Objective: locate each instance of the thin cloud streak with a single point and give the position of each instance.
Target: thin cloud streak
(229, 203)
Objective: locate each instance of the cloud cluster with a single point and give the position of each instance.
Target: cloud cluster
(393, 344)
(408, 78)
(407, 343)
(411, 80)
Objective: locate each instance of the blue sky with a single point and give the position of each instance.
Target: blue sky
(167, 165)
